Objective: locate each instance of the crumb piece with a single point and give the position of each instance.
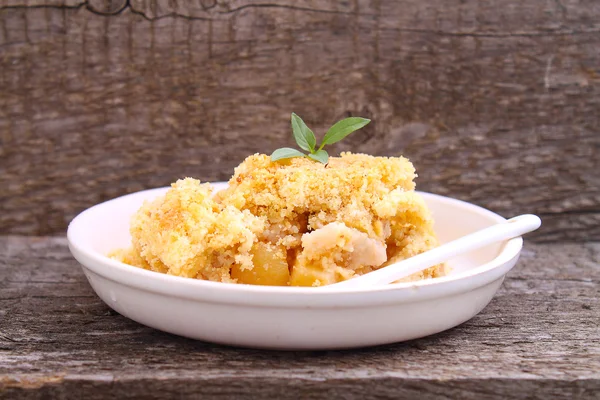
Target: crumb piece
(334, 253)
(187, 233)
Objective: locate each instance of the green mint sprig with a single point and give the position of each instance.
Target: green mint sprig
(306, 138)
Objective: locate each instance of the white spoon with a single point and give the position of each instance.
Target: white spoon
(509, 229)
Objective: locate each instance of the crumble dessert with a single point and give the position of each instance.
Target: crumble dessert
(291, 222)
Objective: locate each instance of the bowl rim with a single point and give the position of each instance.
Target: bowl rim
(233, 293)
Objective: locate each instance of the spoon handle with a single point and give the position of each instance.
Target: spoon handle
(509, 229)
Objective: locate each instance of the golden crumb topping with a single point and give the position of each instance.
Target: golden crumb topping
(290, 222)
(348, 189)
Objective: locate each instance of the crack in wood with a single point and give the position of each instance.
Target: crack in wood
(6, 337)
(170, 15)
(89, 5)
(294, 8)
(592, 211)
(43, 6)
(113, 7)
(517, 34)
(236, 10)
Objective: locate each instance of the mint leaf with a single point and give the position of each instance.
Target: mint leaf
(342, 129)
(303, 135)
(307, 141)
(286, 152)
(320, 155)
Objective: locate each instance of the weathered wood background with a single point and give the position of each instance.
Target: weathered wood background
(496, 102)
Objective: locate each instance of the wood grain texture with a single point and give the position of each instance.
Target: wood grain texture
(538, 339)
(497, 103)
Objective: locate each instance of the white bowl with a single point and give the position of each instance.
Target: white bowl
(292, 317)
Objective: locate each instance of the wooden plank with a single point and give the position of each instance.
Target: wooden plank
(537, 339)
(495, 102)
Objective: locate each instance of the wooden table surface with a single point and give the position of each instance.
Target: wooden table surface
(538, 339)
(495, 102)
